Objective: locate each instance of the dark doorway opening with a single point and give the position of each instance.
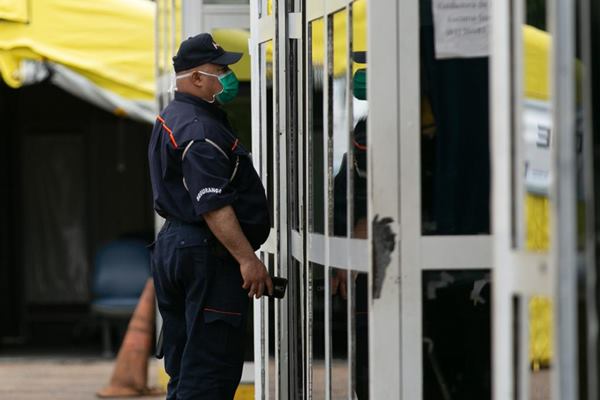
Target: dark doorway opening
(75, 178)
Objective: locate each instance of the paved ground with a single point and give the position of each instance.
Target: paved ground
(51, 378)
(57, 379)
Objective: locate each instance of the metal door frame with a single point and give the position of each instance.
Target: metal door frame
(262, 30)
(288, 23)
(396, 350)
(325, 249)
(519, 273)
(394, 157)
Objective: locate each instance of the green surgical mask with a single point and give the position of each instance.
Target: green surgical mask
(359, 84)
(229, 84)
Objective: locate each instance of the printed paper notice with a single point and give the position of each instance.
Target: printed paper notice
(461, 28)
(537, 138)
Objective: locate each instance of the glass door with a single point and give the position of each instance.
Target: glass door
(430, 245)
(265, 102)
(545, 316)
(336, 227)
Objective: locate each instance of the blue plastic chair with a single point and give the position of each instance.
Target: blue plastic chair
(121, 269)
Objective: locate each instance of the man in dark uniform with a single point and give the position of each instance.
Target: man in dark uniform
(216, 212)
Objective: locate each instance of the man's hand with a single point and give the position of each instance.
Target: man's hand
(225, 226)
(256, 278)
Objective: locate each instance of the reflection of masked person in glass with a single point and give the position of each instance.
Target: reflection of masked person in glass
(358, 171)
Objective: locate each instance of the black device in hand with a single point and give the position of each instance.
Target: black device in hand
(279, 286)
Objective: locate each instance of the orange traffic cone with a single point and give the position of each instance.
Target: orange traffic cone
(130, 375)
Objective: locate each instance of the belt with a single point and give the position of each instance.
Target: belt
(177, 222)
(215, 245)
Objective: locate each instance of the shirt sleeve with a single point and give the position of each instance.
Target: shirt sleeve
(206, 173)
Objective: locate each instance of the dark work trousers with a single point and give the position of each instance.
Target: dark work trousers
(204, 310)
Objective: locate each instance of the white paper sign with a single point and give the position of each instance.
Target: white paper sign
(537, 135)
(538, 138)
(461, 28)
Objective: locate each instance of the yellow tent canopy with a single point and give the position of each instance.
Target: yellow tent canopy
(14, 10)
(100, 50)
(104, 51)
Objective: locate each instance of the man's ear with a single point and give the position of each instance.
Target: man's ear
(197, 79)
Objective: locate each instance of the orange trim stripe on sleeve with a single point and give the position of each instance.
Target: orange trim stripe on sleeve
(169, 131)
(235, 145)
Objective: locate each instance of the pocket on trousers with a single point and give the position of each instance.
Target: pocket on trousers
(190, 257)
(225, 334)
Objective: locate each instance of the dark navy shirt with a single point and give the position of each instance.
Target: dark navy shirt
(197, 165)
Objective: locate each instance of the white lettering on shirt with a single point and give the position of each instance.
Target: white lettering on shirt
(207, 190)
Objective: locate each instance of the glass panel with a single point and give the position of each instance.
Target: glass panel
(226, 1)
(361, 335)
(593, 183)
(262, 115)
(295, 145)
(262, 6)
(266, 65)
(339, 131)
(338, 140)
(581, 132)
(536, 132)
(540, 347)
(316, 287)
(273, 345)
(516, 345)
(315, 125)
(358, 147)
(536, 14)
(455, 159)
(358, 215)
(297, 328)
(456, 334)
(595, 73)
(587, 310)
(339, 333)
(316, 196)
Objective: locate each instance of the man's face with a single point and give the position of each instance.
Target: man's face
(208, 86)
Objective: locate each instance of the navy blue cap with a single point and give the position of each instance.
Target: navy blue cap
(202, 49)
